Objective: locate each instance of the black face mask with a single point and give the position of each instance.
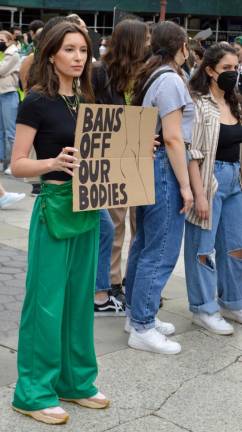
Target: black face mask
(227, 80)
(3, 46)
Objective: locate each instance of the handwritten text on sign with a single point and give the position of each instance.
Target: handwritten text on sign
(115, 145)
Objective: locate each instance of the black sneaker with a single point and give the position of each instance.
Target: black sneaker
(117, 292)
(161, 303)
(112, 307)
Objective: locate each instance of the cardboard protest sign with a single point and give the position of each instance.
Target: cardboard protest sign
(115, 147)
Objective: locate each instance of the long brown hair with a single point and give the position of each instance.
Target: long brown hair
(200, 82)
(46, 80)
(166, 39)
(126, 52)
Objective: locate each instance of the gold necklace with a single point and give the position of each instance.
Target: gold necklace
(72, 106)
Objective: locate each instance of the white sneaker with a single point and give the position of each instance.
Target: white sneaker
(214, 323)
(152, 341)
(234, 315)
(8, 171)
(162, 327)
(10, 198)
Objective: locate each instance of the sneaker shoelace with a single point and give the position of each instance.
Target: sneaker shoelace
(118, 305)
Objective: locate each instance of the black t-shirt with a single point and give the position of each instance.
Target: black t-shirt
(55, 126)
(230, 137)
(240, 82)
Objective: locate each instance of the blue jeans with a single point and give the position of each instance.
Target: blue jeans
(8, 113)
(156, 246)
(221, 274)
(103, 282)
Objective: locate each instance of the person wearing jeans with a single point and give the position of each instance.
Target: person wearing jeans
(213, 238)
(105, 304)
(157, 243)
(9, 100)
(8, 114)
(113, 78)
(203, 280)
(155, 248)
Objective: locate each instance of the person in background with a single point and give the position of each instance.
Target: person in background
(197, 52)
(20, 41)
(8, 199)
(238, 48)
(104, 45)
(113, 79)
(57, 315)
(9, 99)
(35, 29)
(105, 303)
(17, 35)
(28, 44)
(156, 246)
(213, 235)
(79, 21)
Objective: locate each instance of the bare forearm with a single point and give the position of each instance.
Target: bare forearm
(25, 167)
(177, 157)
(195, 178)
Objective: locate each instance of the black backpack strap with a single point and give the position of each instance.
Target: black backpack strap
(151, 80)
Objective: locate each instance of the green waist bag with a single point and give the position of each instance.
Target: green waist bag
(57, 213)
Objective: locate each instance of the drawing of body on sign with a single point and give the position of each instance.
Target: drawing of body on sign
(115, 145)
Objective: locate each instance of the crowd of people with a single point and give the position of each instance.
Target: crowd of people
(74, 260)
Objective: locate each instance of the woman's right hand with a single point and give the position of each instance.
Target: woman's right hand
(187, 197)
(202, 207)
(65, 162)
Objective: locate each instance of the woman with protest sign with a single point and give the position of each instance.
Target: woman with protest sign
(213, 235)
(56, 357)
(157, 243)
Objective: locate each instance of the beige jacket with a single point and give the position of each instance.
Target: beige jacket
(203, 148)
(9, 70)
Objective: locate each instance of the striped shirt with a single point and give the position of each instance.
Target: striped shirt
(204, 145)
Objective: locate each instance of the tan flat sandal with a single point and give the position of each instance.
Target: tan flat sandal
(41, 416)
(92, 402)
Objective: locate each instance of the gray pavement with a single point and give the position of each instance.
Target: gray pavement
(198, 391)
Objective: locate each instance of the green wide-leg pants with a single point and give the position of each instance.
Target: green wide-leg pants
(56, 356)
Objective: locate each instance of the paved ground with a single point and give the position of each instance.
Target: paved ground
(199, 390)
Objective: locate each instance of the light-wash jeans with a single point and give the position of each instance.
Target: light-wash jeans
(156, 246)
(8, 113)
(221, 274)
(103, 282)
